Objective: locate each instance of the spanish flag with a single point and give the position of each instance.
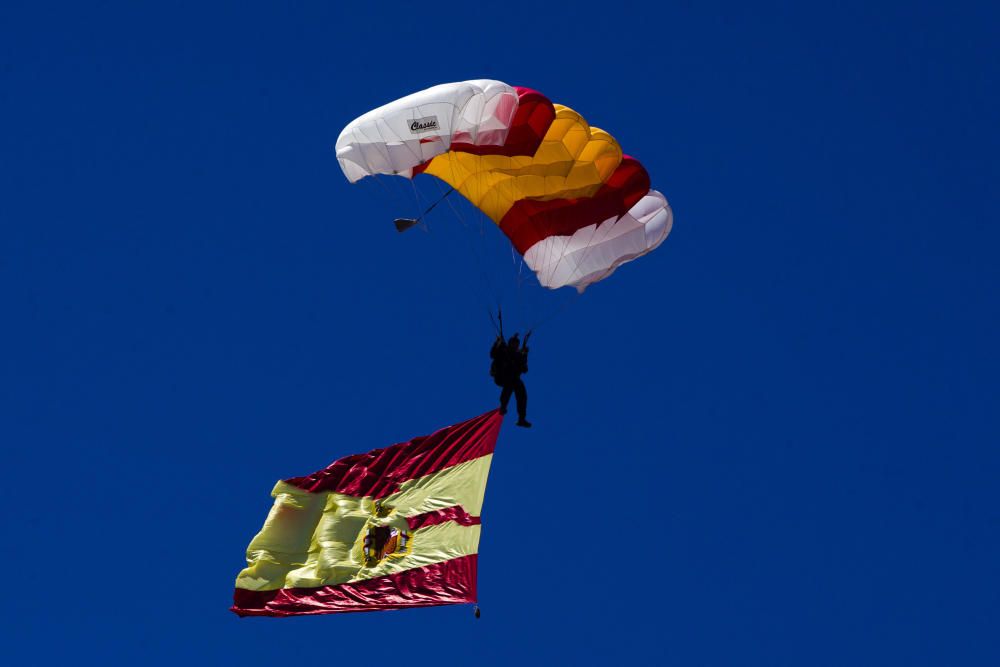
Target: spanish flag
(394, 528)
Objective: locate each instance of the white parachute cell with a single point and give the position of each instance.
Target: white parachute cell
(398, 136)
(592, 253)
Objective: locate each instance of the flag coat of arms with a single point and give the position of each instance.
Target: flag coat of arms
(394, 528)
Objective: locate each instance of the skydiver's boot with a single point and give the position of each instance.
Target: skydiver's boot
(524, 422)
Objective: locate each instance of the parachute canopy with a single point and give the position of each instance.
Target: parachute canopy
(562, 191)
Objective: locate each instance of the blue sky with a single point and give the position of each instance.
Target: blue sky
(771, 442)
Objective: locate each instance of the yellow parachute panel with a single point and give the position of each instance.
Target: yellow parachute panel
(573, 160)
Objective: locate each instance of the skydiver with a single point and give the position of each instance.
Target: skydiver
(510, 360)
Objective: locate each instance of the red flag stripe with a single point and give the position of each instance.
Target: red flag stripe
(454, 513)
(380, 472)
(449, 582)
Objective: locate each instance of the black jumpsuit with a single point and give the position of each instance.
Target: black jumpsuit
(510, 360)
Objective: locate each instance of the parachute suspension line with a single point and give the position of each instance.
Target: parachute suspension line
(419, 203)
(551, 316)
(479, 253)
(487, 296)
(519, 278)
(397, 194)
(523, 304)
(393, 194)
